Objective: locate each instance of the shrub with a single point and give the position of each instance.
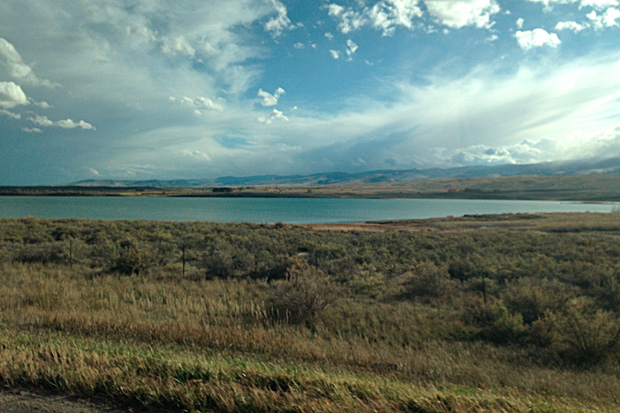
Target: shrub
(581, 333)
(493, 322)
(302, 296)
(428, 280)
(531, 298)
(42, 253)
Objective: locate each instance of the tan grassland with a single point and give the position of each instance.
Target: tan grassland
(507, 313)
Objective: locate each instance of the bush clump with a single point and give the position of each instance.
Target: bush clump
(428, 280)
(302, 295)
(580, 334)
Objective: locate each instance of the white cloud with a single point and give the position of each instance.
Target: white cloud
(195, 154)
(522, 153)
(268, 98)
(351, 48)
(69, 124)
(385, 15)
(64, 124)
(42, 105)
(178, 45)
(329, 36)
(388, 14)
(608, 19)
(32, 130)
(199, 103)
(11, 95)
(599, 4)
(335, 54)
(460, 13)
(281, 22)
(16, 68)
(9, 114)
(350, 19)
(299, 45)
(569, 25)
(42, 121)
(596, 4)
(520, 22)
(531, 39)
(274, 115)
(491, 38)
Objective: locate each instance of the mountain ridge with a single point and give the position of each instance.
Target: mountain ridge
(556, 168)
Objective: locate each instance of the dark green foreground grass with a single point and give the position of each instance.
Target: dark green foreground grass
(377, 317)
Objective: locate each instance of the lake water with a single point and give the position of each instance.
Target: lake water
(270, 210)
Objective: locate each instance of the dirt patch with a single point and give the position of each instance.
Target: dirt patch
(20, 401)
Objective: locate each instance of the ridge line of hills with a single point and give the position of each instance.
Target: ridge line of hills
(564, 168)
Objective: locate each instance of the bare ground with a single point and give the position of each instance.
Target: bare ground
(21, 401)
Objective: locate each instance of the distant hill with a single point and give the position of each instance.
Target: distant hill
(580, 167)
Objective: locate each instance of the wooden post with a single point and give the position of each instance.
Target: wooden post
(71, 253)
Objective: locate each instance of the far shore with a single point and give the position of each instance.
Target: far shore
(585, 188)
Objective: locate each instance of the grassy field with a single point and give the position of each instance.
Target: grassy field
(480, 313)
(571, 188)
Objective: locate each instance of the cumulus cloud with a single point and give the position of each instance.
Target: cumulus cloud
(349, 19)
(11, 95)
(273, 116)
(178, 45)
(335, 54)
(531, 39)
(607, 19)
(10, 114)
(599, 4)
(460, 13)
(69, 124)
(351, 48)
(16, 68)
(520, 22)
(569, 25)
(596, 4)
(64, 124)
(195, 154)
(42, 105)
(268, 98)
(525, 152)
(276, 25)
(32, 130)
(387, 15)
(199, 103)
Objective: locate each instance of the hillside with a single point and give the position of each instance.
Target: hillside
(528, 187)
(580, 167)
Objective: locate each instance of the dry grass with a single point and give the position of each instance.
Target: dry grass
(182, 344)
(192, 344)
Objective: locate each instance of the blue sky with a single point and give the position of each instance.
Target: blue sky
(145, 89)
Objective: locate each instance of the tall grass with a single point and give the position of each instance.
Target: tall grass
(388, 339)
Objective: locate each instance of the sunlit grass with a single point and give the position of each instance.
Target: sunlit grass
(205, 343)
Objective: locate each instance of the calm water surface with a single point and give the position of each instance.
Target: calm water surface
(271, 210)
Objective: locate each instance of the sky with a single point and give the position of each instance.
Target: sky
(189, 89)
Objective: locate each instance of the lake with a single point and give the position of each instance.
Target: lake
(270, 210)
